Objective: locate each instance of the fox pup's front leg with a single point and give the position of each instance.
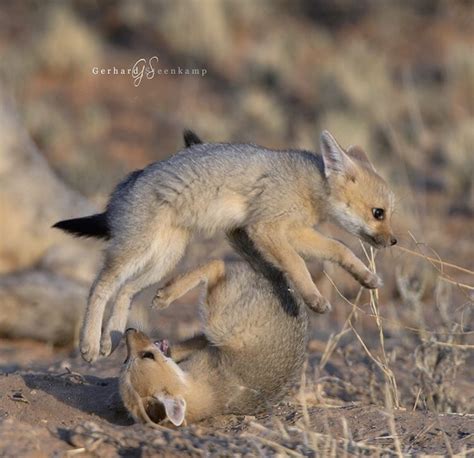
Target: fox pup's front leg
(310, 243)
(209, 273)
(182, 350)
(273, 242)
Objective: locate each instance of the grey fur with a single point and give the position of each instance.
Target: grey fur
(251, 352)
(209, 187)
(201, 174)
(271, 357)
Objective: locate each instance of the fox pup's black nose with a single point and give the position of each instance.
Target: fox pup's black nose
(393, 241)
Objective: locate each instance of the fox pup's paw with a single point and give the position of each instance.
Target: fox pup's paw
(371, 281)
(89, 350)
(106, 344)
(318, 304)
(162, 299)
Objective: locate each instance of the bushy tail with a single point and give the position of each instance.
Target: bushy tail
(96, 225)
(89, 226)
(244, 245)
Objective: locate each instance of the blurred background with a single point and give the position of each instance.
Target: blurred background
(395, 77)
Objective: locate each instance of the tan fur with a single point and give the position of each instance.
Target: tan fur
(250, 353)
(275, 195)
(208, 275)
(312, 244)
(274, 240)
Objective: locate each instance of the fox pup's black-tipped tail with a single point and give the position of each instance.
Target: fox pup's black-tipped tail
(190, 138)
(89, 226)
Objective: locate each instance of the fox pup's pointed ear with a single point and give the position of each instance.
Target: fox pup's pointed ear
(334, 157)
(175, 408)
(357, 153)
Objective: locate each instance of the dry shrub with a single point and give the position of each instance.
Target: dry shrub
(437, 369)
(196, 28)
(261, 110)
(350, 128)
(67, 45)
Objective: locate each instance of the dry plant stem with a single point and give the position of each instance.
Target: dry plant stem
(441, 272)
(435, 260)
(302, 397)
(359, 338)
(374, 304)
(347, 436)
(333, 340)
(415, 405)
(329, 443)
(369, 354)
(455, 282)
(280, 448)
(455, 345)
(389, 321)
(304, 405)
(449, 447)
(391, 420)
(422, 432)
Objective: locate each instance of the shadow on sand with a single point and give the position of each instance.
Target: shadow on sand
(89, 394)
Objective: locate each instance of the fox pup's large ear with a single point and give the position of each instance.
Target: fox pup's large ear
(175, 408)
(334, 157)
(357, 153)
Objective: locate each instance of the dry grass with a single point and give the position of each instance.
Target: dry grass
(393, 79)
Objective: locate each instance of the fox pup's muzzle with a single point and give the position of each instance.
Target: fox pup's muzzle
(138, 342)
(379, 241)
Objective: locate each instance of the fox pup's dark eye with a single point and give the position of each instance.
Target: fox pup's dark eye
(379, 213)
(147, 354)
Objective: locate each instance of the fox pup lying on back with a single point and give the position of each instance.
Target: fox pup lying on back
(277, 195)
(251, 351)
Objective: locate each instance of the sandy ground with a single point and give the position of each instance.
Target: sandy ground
(52, 403)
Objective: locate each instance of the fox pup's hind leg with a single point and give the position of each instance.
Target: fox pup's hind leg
(115, 272)
(128, 260)
(273, 243)
(310, 243)
(210, 274)
(170, 249)
(117, 321)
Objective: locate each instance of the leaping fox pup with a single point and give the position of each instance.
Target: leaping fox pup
(277, 195)
(251, 351)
